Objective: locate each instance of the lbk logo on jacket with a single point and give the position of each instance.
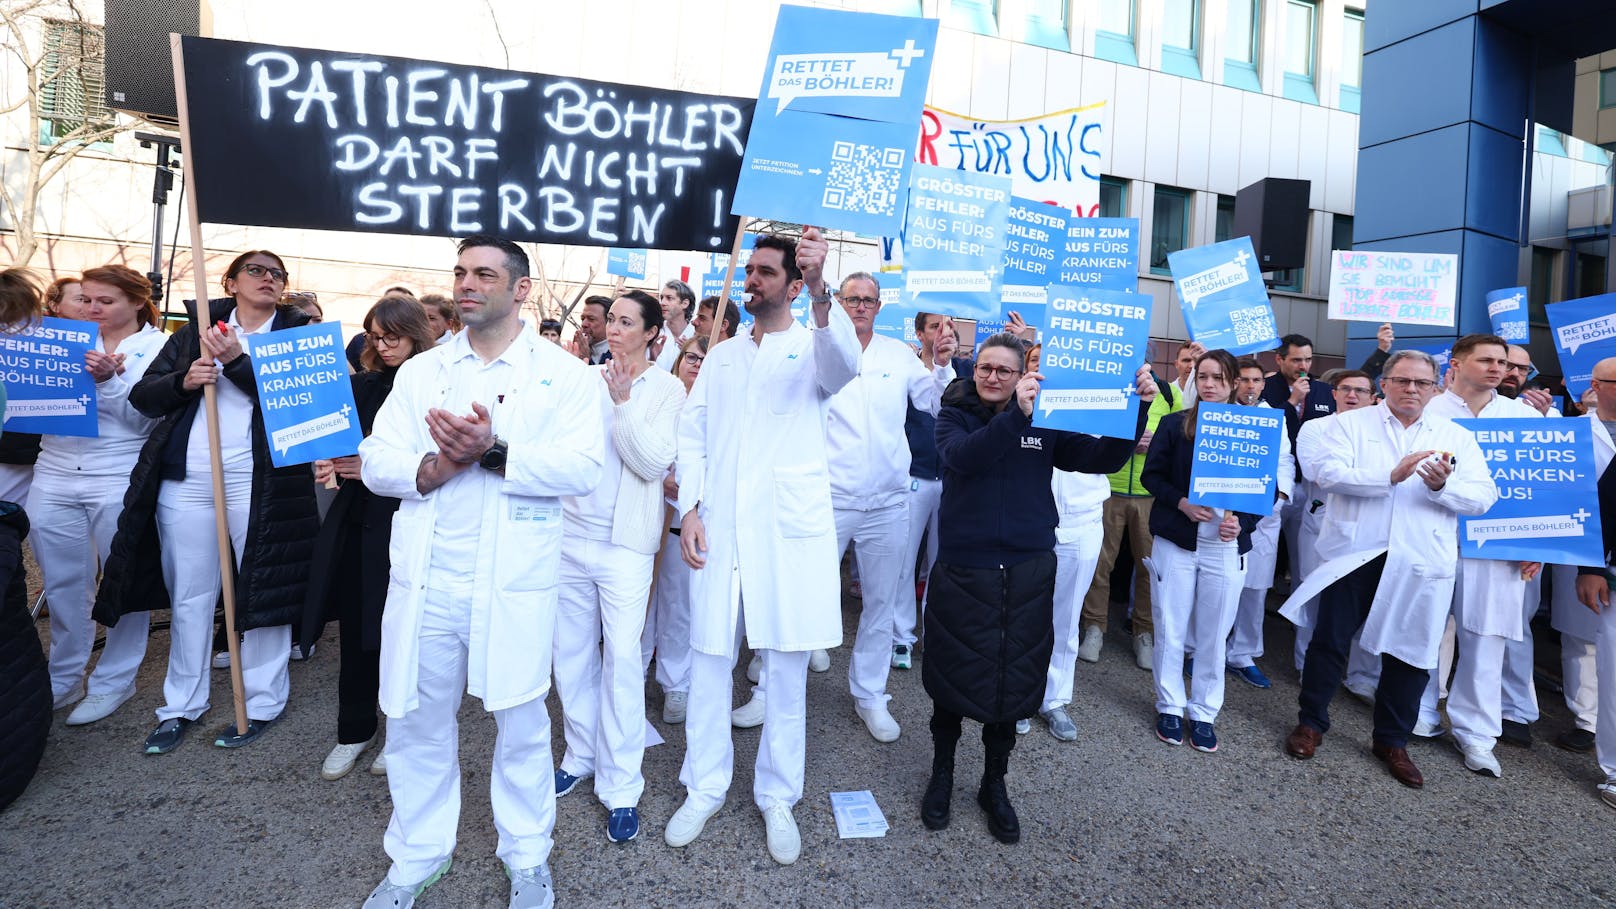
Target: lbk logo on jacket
(1034, 442)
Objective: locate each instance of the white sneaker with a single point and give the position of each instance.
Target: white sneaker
(297, 655)
(1089, 649)
(341, 759)
(785, 844)
(1023, 727)
(99, 706)
(1144, 646)
(378, 767)
(748, 715)
(1479, 759)
(819, 660)
(674, 706)
(687, 823)
(69, 697)
(221, 660)
(1425, 730)
(754, 668)
(1607, 792)
(880, 723)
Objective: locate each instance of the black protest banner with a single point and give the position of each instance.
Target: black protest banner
(291, 137)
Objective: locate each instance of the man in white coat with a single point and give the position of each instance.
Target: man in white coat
(1245, 643)
(479, 439)
(1487, 599)
(1396, 479)
(1593, 586)
(758, 527)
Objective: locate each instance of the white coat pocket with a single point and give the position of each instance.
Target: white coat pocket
(802, 503)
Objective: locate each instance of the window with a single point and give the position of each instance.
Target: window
(1113, 198)
(1590, 275)
(1240, 46)
(1170, 226)
(1180, 23)
(1351, 60)
(1113, 39)
(71, 95)
(1040, 22)
(972, 16)
(1607, 88)
(1301, 18)
(1341, 232)
(1223, 227)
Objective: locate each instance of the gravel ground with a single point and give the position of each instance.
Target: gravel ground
(1114, 819)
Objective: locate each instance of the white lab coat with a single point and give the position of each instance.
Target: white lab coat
(752, 454)
(551, 421)
(1491, 589)
(1567, 614)
(1350, 458)
(864, 426)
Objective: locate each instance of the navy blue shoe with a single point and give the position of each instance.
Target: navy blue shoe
(1252, 676)
(229, 737)
(1170, 729)
(623, 825)
(566, 782)
(1202, 738)
(1189, 667)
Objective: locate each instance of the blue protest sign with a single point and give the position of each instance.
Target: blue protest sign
(892, 319)
(987, 327)
(1103, 253)
(1094, 342)
(713, 285)
(835, 131)
(1236, 457)
(304, 394)
(48, 390)
(1544, 469)
(1225, 303)
(719, 261)
(1035, 242)
(1506, 309)
(1584, 333)
(1441, 353)
(627, 263)
(954, 242)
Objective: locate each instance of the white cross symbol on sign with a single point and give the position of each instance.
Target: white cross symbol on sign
(1130, 389)
(345, 409)
(906, 55)
(1265, 479)
(1581, 514)
(84, 399)
(1242, 259)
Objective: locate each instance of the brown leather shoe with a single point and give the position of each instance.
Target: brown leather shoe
(1303, 741)
(1398, 764)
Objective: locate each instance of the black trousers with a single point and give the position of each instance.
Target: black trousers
(359, 678)
(1343, 607)
(946, 725)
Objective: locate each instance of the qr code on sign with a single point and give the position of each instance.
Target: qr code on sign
(1252, 324)
(863, 178)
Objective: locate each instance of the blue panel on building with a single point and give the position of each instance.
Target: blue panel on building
(1493, 196)
(1429, 76)
(1502, 79)
(1388, 23)
(1412, 186)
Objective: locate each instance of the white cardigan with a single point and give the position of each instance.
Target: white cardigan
(645, 435)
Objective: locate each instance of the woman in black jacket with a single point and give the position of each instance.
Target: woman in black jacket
(989, 613)
(168, 516)
(1197, 567)
(348, 578)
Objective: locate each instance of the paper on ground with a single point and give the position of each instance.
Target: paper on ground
(857, 815)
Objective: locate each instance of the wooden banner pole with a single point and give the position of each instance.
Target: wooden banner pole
(210, 396)
(715, 334)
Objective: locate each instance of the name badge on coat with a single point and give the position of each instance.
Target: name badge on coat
(532, 513)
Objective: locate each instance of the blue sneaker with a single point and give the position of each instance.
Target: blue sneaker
(1189, 667)
(1202, 738)
(1170, 729)
(623, 825)
(566, 782)
(1252, 676)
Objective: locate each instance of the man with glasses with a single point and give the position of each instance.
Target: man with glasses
(1487, 605)
(1397, 479)
(1593, 584)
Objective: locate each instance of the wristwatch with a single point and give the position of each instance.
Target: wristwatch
(494, 458)
(821, 299)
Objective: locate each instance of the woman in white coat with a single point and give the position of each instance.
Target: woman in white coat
(78, 490)
(1197, 568)
(667, 623)
(612, 536)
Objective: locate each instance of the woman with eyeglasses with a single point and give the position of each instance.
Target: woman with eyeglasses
(348, 576)
(79, 484)
(1196, 566)
(612, 537)
(667, 623)
(168, 517)
(989, 626)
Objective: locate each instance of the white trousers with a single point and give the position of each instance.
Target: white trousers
(423, 760)
(1580, 673)
(598, 675)
(709, 750)
(185, 526)
(1193, 599)
(879, 535)
(1074, 572)
(1520, 659)
(1475, 692)
(1305, 561)
(667, 623)
(74, 520)
(1605, 722)
(15, 480)
(924, 498)
(1363, 667)
(1246, 634)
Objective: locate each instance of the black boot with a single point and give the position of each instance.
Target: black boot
(934, 805)
(993, 797)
